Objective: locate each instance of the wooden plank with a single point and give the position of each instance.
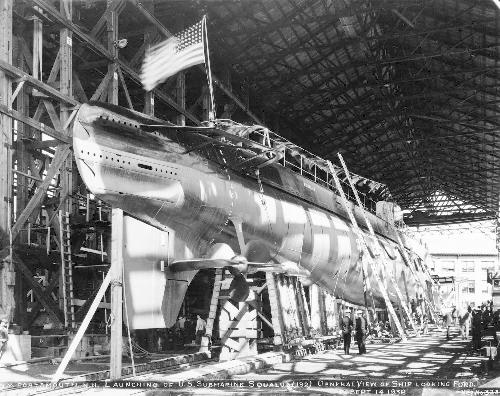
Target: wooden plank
(243, 332)
(62, 152)
(232, 310)
(229, 342)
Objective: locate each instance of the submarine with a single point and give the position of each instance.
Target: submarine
(238, 197)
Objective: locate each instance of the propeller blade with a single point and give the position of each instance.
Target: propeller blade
(239, 289)
(199, 264)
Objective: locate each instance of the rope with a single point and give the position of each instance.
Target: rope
(127, 322)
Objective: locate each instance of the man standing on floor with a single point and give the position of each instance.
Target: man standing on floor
(346, 326)
(476, 329)
(448, 323)
(465, 321)
(361, 331)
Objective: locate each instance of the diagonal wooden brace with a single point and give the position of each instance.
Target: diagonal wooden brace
(38, 305)
(41, 294)
(36, 200)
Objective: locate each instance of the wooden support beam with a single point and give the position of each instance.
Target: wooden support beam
(116, 272)
(125, 89)
(181, 96)
(39, 126)
(7, 303)
(61, 153)
(35, 309)
(113, 6)
(13, 71)
(39, 144)
(78, 90)
(81, 330)
(23, 158)
(50, 306)
(68, 182)
(276, 310)
(102, 87)
(112, 29)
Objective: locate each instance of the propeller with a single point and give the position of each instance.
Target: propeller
(222, 256)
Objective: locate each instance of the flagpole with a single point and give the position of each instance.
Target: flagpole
(211, 110)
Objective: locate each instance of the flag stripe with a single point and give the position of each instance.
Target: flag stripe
(156, 61)
(179, 52)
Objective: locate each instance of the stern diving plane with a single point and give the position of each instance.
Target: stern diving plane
(232, 203)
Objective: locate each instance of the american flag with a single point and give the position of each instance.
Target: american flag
(167, 58)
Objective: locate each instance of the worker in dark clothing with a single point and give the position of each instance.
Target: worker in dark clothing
(448, 320)
(346, 326)
(413, 305)
(361, 331)
(486, 317)
(476, 329)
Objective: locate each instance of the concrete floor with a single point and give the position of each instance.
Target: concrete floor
(425, 357)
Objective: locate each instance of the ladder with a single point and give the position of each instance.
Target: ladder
(66, 269)
(205, 340)
(361, 238)
(377, 247)
(421, 281)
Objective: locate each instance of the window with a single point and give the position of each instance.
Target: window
(448, 265)
(469, 287)
(488, 266)
(468, 266)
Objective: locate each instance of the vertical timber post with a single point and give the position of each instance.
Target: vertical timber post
(116, 221)
(116, 292)
(180, 94)
(316, 316)
(149, 98)
(112, 26)
(276, 310)
(7, 272)
(66, 87)
(22, 160)
(66, 172)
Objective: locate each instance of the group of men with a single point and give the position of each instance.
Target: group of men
(472, 320)
(360, 326)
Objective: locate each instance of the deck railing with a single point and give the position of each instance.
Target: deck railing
(301, 161)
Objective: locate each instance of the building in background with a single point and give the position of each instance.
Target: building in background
(461, 261)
